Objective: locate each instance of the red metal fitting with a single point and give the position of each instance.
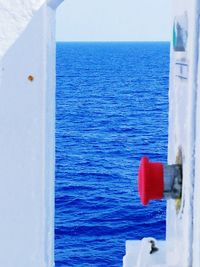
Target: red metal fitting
(156, 180)
(151, 180)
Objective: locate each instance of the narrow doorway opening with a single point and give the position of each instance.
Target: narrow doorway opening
(112, 108)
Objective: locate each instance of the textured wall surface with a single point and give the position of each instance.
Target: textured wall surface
(182, 129)
(27, 115)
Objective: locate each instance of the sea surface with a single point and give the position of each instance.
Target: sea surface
(112, 108)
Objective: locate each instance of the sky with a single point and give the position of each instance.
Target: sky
(114, 20)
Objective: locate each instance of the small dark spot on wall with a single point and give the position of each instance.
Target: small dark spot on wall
(30, 78)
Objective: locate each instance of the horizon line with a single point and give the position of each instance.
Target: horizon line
(112, 41)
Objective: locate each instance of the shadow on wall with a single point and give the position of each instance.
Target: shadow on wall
(15, 19)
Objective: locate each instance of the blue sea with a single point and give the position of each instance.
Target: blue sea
(112, 108)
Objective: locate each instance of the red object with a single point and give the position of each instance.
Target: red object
(150, 180)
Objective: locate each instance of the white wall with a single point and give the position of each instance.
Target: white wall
(182, 134)
(27, 135)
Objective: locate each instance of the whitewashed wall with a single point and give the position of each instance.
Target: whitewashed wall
(27, 132)
(182, 232)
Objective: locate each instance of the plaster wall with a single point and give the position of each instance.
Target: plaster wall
(182, 134)
(27, 117)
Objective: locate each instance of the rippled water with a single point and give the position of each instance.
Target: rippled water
(112, 108)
